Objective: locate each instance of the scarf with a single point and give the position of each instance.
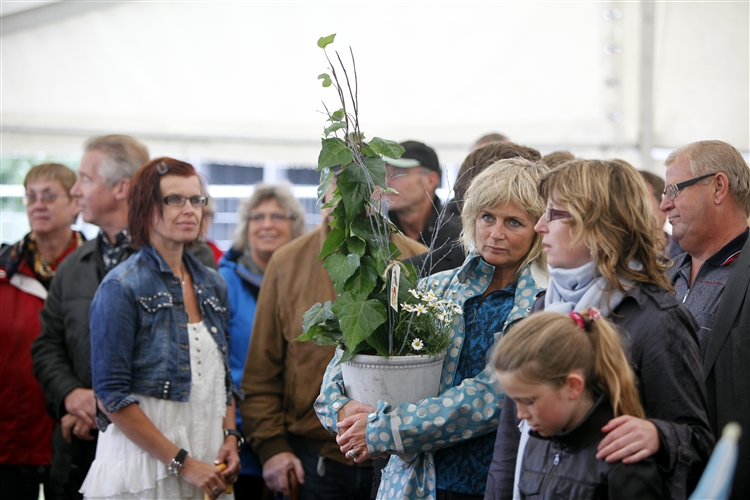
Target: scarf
(26, 250)
(247, 261)
(582, 287)
(114, 253)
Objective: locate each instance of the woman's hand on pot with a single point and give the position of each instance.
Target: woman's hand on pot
(352, 438)
(352, 408)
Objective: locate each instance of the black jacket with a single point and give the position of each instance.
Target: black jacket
(726, 366)
(565, 465)
(660, 337)
(62, 352)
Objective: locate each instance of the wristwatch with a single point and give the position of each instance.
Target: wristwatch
(177, 462)
(235, 433)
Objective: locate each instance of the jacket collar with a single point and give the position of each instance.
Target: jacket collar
(587, 431)
(153, 259)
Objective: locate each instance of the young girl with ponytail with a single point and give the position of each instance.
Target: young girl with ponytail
(568, 376)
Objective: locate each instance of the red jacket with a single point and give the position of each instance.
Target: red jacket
(26, 428)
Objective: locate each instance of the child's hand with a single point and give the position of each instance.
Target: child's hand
(629, 439)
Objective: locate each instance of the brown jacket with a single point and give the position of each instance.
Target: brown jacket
(282, 378)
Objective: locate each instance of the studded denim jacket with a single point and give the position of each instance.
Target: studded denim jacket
(411, 432)
(139, 337)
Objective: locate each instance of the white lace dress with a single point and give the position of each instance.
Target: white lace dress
(122, 470)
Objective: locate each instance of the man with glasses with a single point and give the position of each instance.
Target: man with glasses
(62, 354)
(707, 200)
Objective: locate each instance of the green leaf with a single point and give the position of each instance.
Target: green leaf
(340, 268)
(362, 227)
(334, 152)
(337, 215)
(337, 116)
(379, 343)
(332, 243)
(355, 190)
(326, 180)
(333, 128)
(316, 315)
(323, 41)
(367, 151)
(376, 167)
(326, 79)
(391, 149)
(356, 245)
(334, 201)
(364, 279)
(358, 319)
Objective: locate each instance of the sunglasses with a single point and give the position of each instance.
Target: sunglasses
(551, 214)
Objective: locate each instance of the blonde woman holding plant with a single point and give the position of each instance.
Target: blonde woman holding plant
(441, 446)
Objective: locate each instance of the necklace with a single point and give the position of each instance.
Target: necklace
(182, 276)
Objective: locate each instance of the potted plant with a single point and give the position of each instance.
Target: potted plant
(380, 310)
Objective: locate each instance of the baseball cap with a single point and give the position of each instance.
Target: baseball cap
(416, 154)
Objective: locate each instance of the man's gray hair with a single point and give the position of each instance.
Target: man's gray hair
(124, 155)
(708, 157)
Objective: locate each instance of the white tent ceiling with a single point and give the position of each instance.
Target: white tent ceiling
(238, 79)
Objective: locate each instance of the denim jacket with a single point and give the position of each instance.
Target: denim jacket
(139, 337)
(410, 473)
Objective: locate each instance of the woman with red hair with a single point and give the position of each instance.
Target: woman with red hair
(159, 339)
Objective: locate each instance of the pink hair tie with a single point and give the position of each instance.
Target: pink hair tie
(578, 319)
(595, 314)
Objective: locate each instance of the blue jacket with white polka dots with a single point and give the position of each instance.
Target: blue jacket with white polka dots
(412, 432)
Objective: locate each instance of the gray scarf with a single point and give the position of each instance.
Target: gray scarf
(583, 287)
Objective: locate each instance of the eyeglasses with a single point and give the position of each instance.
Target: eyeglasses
(177, 200)
(672, 189)
(275, 217)
(47, 197)
(551, 214)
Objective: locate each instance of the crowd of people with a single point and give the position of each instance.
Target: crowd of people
(596, 356)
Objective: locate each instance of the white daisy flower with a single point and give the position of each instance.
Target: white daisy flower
(420, 309)
(417, 344)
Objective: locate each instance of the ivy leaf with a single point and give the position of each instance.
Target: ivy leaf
(356, 245)
(332, 243)
(367, 151)
(358, 319)
(354, 189)
(333, 128)
(391, 149)
(376, 167)
(326, 179)
(362, 227)
(323, 41)
(337, 116)
(326, 79)
(379, 343)
(340, 268)
(334, 152)
(317, 315)
(363, 280)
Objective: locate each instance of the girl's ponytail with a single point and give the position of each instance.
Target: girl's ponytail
(612, 372)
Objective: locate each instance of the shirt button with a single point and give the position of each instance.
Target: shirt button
(214, 329)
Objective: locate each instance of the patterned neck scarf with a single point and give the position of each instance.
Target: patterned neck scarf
(43, 269)
(114, 253)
